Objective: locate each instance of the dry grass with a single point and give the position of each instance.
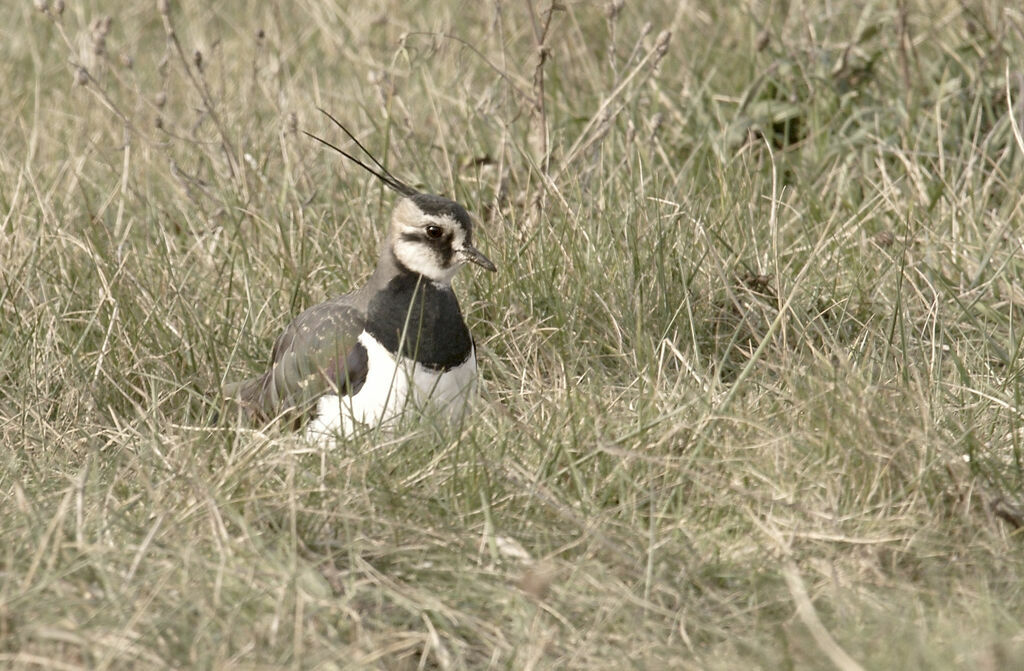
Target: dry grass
(752, 392)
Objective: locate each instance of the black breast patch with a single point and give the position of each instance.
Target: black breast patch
(427, 315)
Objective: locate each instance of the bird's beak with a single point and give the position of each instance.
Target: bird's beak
(474, 255)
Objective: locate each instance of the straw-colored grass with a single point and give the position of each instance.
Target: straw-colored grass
(751, 366)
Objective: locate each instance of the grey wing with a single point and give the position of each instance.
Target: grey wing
(317, 354)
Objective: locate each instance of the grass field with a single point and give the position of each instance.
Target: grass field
(751, 367)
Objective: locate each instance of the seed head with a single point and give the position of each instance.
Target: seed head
(661, 45)
(100, 28)
(656, 122)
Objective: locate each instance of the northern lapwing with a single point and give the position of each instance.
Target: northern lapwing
(399, 340)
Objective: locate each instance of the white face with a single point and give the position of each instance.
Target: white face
(427, 244)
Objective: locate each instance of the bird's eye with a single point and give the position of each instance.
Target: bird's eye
(434, 232)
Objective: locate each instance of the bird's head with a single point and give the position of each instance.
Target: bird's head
(433, 236)
(430, 235)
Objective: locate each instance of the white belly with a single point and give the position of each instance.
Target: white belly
(390, 388)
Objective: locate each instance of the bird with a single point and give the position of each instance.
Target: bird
(360, 359)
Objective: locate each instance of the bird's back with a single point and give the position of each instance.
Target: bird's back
(316, 354)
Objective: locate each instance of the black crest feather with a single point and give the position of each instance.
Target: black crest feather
(380, 172)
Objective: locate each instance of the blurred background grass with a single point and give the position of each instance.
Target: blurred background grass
(751, 365)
